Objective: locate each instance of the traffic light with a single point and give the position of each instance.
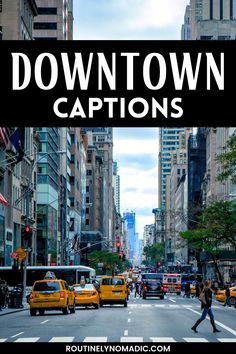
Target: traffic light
(118, 248)
(27, 232)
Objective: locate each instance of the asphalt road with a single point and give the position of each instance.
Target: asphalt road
(150, 320)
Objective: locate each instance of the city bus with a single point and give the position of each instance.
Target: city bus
(71, 274)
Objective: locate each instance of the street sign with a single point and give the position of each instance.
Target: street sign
(14, 255)
(21, 254)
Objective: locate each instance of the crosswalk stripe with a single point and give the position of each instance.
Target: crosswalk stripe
(95, 339)
(160, 305)
(194, 339)
(3, 340)
(224, 340)
(146, 305)
(29, 339)
(62, 339)
(162, 339)
(131, 339)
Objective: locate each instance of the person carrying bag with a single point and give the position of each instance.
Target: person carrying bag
(206, 301)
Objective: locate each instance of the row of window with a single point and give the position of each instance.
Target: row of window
(45, 25)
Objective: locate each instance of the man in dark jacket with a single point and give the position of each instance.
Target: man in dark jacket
(227, 294)
(206, 307)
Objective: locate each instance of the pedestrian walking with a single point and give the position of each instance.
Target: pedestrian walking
(137, 289)
(206, 302)
(187, 290)
(197, 289)
(227, 294)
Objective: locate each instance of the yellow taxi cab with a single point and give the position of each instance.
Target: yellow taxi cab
(86, 295)
(220, 296)
(51, 294)
(113, 290)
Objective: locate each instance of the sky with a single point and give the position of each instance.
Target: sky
(135, 149)
(128, 19)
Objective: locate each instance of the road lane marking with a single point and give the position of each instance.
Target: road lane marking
(16, 335)
(129, 319)
(3, 340)
(130, 312)
(172, 300)
(217, 322)
(194, 339)
(146, 305)
(62, 339)
(44, 322)
(160, 305)
(224, 340)
(95, 339)
(131, 339)
(29, 339)
(173, 306)
(126, 332)
(162, 339)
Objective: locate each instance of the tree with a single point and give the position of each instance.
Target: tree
(216, 228)
(154, 253)
(110, 261)
(228, 161)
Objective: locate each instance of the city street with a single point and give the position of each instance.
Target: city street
(150, 320)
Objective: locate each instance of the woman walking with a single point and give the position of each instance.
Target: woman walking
(206, 307)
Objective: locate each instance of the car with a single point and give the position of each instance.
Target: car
(113, 290)
(51, 294)
(86, 295)
(152, 287)
(220, 296)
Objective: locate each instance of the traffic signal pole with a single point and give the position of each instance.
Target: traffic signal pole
(25, 245)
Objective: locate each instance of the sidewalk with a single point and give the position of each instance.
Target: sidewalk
(7, 310)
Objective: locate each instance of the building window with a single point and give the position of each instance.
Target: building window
(87, 199)
(211, 9)
(89, 172)
(72, 136)
(47, 10)
(231, 10)
(221, 9)
(45, 25)
(72, 159)
(72, 180)
(72, 201)
(87, 222)
(0, 5)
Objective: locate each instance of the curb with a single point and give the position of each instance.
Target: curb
(2, 313)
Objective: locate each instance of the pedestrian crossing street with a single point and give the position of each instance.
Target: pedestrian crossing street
(125, 339)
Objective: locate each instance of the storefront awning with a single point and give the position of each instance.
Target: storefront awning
(3, 200)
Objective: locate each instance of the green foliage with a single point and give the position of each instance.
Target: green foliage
(109, 260)
(216, 228)
(228, 161)
(154, 253)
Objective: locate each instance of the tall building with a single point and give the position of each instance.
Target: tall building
(129, 216)
(16, 19)
(186, 27)
(116, 186)
(218, 20)
(54, 20)
(196, 15)
(48, 164)
(103, 140)
(168, 142)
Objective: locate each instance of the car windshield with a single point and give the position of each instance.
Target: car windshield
(46, 286)
(85, 287)
(112, 281)
(152, 282)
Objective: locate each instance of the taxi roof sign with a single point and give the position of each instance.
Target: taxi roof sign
(50, 275)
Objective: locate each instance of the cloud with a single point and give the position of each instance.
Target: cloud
(128, 19)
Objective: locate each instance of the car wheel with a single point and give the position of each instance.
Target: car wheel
(162, 297)
(72, 309)
(144, 297)
(232, 301)
(125, 304)
(178, 293)
(65, 310)
(101, 304)
(96, 306)
(41, 312)
(32, 312)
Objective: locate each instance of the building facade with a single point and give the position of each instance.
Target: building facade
(16, 19)
(54, 20)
